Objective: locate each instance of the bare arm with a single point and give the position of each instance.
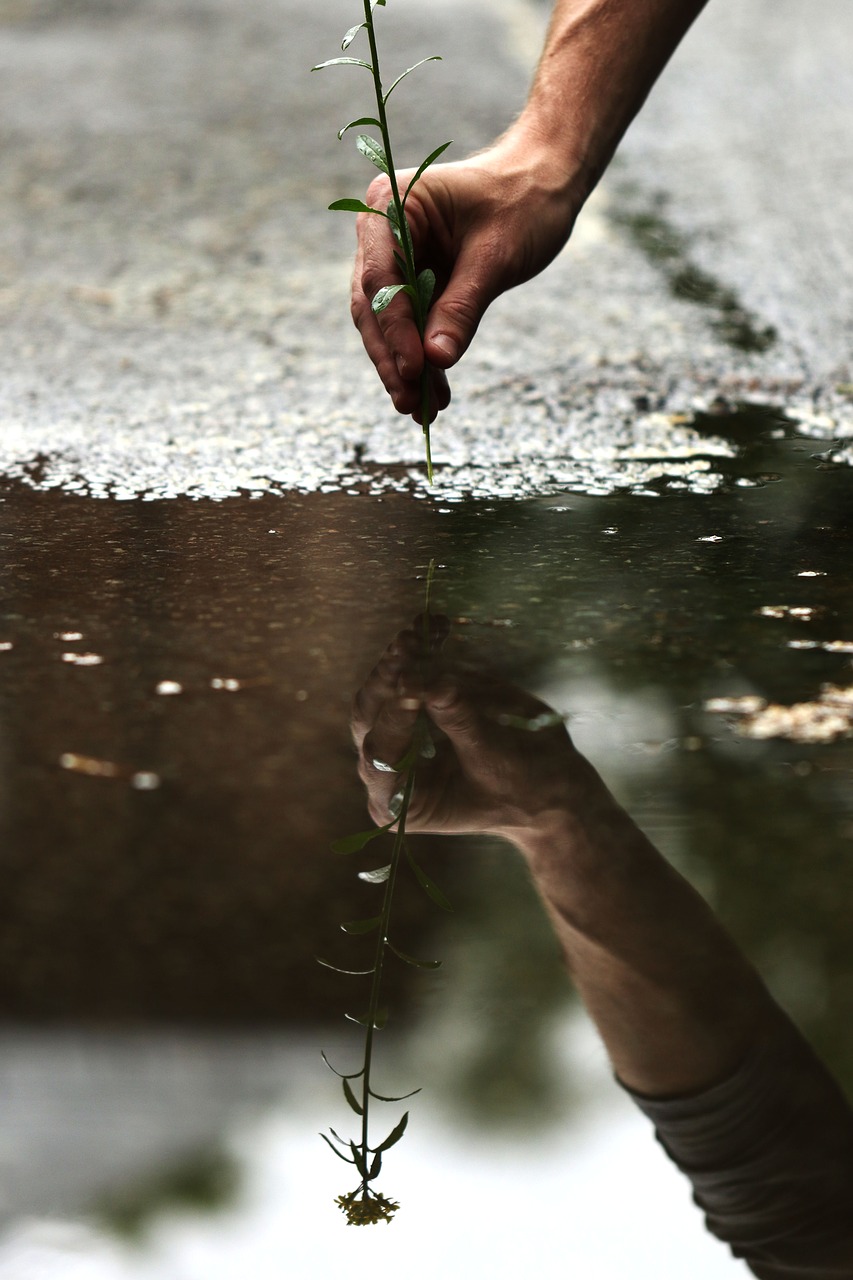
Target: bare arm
(490, 222)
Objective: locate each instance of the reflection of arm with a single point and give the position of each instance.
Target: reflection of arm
(739, 1100)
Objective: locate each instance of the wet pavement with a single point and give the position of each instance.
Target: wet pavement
(212, 525)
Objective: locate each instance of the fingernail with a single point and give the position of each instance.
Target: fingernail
(447, 345)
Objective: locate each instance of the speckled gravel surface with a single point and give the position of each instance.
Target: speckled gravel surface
(173, 295)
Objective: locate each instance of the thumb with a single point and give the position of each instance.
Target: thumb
(457, 312)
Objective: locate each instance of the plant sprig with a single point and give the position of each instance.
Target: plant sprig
(365, 1204)
(418, 286)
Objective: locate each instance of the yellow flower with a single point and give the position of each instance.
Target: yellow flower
(363, 1207)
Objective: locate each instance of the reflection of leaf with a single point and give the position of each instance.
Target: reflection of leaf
(361, 926)
(417, 964)
(351, 1099)
(429, 886)
(379, 876)
(354, 843)
(355, 973)
(394, 1136)
(363, 1019)
(339, 1154)
(400, 1097)
(352, 1075)
(433, 58)
(376, 1167)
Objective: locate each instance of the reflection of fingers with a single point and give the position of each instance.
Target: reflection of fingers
(455, 715)
(391, 736)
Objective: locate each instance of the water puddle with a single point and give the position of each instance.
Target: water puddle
(175, 688)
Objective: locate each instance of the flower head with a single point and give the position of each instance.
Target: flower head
(363, 1207)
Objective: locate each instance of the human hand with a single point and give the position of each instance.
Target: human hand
(504, 763)
(483, 225)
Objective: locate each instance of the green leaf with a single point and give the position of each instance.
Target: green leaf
(373, 150)
(353, 1075)
(353, 124)
(383, 299)
(381, 1098)
(407, 959)
(426, 288)
(395, 804)
(429, 886)
(379, 876)
(358, 1160)
(375, 1168)
(355, 973)
(399, 259)
(362, 926)
(431, 158)
(354, 206)
(374, 3)
(433, 58)
(351, 34)
(352, 1100)
(339, 1154)
(394, 1136)
(343, 62)
(355, 843)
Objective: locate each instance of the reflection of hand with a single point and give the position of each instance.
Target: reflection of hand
(502, 764)
(483, 225)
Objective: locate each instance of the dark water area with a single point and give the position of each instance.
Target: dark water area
(175, 684)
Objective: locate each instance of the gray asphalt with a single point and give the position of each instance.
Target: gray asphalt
(173, 295)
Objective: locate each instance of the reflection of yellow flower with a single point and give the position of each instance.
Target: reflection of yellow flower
(365, 1207)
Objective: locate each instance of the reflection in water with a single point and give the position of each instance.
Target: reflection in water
(231, 636)
(739, 1101)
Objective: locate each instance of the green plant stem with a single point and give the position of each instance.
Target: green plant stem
(405, 237)
(381, 946)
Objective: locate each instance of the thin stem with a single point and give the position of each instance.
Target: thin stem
(405, 236)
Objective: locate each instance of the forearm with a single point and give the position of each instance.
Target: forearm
(676, 1004)
(600, 59)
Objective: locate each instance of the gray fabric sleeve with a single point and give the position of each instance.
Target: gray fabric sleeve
(770, 1155)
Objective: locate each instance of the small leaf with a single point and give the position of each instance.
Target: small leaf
(353, 1075)
(353, 124)
(339, 1154)
(433, 58)
(394, 1136)
(355, 843)
(363, 1019)
(355, 973)
(354, 206)
(343, 62)
(375, 1168)
(426, 288)
(352, 1100)
(427, 746)
(351, 34)
(431, 158)
(379, 876)
(358, 1160)
(399, 259)
(373, 151)
(362, 926)
(386, 296)
(429, 886)
(395, 804)
(407, 959)
(374, 3)
(381, 1098)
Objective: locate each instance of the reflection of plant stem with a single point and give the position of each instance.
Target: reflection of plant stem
(364, 1204)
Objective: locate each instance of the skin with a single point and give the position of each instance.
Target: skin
(490, 222)
(676, 1004)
